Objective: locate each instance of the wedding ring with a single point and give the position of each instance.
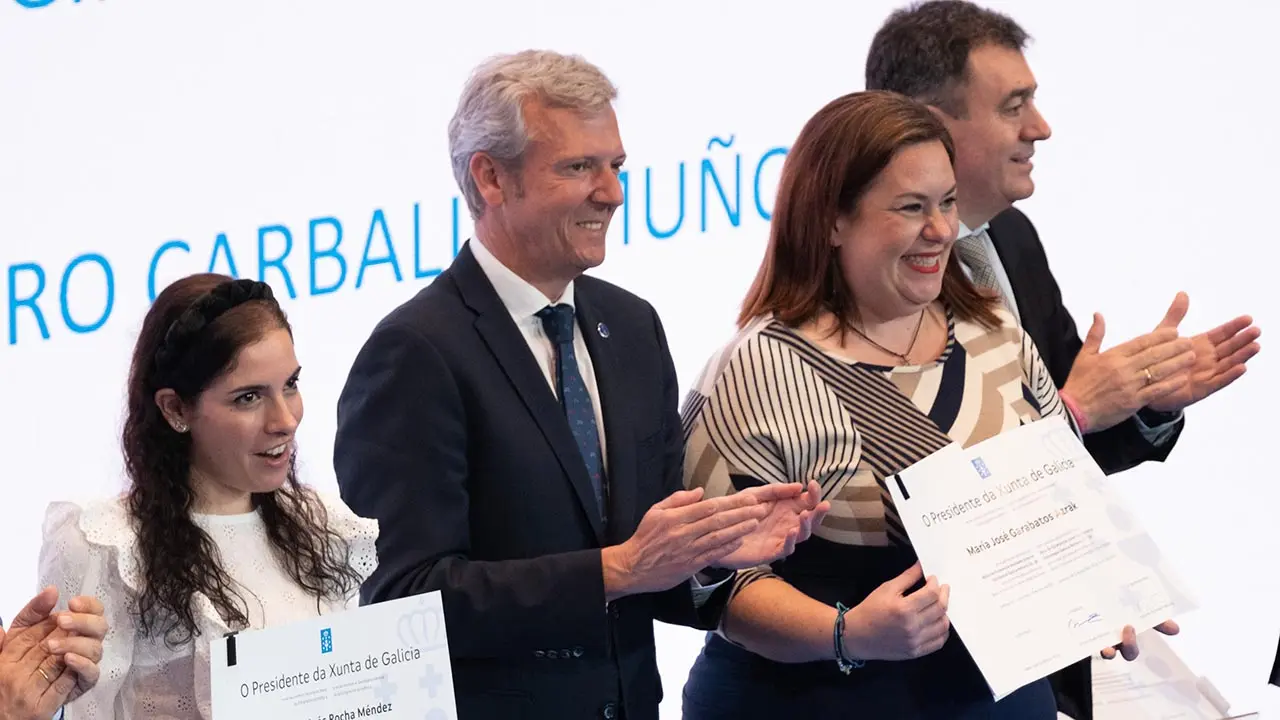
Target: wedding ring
(44, 675)
(1147, 372)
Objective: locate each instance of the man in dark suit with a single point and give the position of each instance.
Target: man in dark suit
(514, 427)
(966, 63)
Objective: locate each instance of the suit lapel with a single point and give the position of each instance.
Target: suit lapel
(509, 348)
(619, 435)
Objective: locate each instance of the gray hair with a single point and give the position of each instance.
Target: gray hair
(490, 117)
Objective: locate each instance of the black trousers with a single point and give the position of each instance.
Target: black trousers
(728, 682)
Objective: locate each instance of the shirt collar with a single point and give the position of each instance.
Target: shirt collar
(966, 232)
(521, 299)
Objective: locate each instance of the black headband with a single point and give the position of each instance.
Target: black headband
(207, 308)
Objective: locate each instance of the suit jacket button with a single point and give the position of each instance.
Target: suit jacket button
(551, 654)
(609, 711)
(539, 654)
(577, 652)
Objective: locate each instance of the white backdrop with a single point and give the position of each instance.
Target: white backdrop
(238, 130)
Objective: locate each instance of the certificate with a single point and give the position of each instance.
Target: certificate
(1046, 563)
(386, 661)
(1156, 686)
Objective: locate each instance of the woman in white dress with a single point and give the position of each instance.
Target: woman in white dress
(215, 533)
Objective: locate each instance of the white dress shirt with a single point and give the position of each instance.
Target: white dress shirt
(523, 301)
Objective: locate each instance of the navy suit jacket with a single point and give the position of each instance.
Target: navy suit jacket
(1049, 324)
(452, 438)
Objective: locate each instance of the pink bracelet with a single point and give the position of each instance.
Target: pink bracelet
(1082, 422)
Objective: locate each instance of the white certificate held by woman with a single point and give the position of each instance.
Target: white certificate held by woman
(386, 661)
(1046, 563)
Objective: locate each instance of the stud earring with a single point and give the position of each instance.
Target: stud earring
(180, 426)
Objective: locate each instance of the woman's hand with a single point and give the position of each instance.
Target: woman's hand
(893, 625)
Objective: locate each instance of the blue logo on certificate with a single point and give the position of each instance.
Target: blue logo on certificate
(981, 467)
(326, 641)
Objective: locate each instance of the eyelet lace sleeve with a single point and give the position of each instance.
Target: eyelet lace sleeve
(360, 533)
(78, 565)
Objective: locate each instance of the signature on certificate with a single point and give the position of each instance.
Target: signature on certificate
(1088, 619)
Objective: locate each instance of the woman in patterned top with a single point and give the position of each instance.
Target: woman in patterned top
(861, 351)
(216, 532)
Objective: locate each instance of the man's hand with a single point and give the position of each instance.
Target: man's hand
(1109, 387)
(790, 521)
(34, 683)
(1128, 646)
(682, 535)
(1220, 357)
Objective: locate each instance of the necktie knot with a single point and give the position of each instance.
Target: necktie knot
(971, 250)
(557, 322)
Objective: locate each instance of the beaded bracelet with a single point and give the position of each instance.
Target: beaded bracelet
(845, 664)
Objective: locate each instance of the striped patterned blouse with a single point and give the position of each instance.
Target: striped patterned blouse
(774, 407)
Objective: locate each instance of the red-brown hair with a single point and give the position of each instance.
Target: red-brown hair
(838, 155)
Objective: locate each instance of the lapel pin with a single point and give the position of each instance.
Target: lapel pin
(603, 330)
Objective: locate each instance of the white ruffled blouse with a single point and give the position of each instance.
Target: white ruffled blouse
(90, 550)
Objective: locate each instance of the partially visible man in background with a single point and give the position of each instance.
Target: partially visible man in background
(967, 64)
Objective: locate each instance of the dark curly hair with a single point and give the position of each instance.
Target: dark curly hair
(923, 51)
(190, 337)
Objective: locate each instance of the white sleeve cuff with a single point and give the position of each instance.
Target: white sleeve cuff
(704, 584)
(1159, 434)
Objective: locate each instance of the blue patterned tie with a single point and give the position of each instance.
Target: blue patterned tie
(557, 321)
